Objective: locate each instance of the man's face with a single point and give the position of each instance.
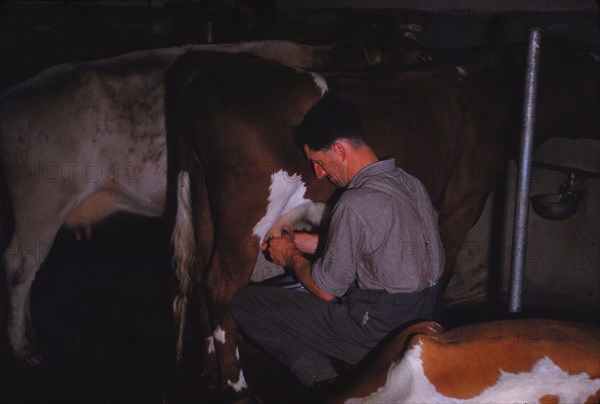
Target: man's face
(328, 163)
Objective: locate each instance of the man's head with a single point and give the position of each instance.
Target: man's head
(331, 137)
(328, 120)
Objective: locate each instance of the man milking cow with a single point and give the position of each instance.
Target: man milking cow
(380, 266)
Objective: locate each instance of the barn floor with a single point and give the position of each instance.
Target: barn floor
(102, 310)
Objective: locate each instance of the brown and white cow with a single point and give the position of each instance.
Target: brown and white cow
(525, 361)
(443, 124)
(233, 117)
(79, 142)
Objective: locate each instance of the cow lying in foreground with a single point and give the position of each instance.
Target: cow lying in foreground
(525, 361)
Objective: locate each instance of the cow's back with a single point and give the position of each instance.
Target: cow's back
(529, 360)
(430, 119)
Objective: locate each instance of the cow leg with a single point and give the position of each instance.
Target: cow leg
(204, 234)
(463, 203)
(204, 243)
(227, 274)
(210, 368)
(22, 259)
(477, 171)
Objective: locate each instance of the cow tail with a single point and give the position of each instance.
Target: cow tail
(184, 247)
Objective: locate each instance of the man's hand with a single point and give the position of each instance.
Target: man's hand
(306, 243)
(285, 253)
(282, 249)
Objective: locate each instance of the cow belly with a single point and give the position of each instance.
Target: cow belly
(104, 203)
(407, 382)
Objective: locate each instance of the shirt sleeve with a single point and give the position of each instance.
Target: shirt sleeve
(335, 270)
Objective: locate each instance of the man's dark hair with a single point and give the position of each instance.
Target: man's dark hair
(328, 120)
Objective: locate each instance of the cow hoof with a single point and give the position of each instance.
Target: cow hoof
(28, 357)
(33, 360)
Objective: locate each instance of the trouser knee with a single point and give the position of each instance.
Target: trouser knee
(242, 306)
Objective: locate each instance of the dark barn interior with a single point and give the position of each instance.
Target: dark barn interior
(102, 307)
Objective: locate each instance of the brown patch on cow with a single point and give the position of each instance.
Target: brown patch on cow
(549, 399)
(478, 352)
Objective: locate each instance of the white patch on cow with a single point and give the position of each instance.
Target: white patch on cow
(317, 78)
(286, 197)
(240, 384)
(237, 353)
(406, 382)
(287, 207)
(320, 82)
(410, 35)
(303, 217)
(219, 335)
(211, 344)
(461, 70)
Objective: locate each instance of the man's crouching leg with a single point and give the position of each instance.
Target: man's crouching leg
(276, 320)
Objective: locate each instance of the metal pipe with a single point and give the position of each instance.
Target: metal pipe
(519, 244)
(209, 32)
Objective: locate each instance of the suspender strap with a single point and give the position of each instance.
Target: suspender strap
(407, 201)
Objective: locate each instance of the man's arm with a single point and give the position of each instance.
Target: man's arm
(285, 253)
(306, 242)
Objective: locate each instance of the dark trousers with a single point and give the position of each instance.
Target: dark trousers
(290, 324)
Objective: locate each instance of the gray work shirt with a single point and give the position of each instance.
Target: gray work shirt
(383, 235)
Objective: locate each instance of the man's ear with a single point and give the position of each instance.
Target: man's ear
(339, 150)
